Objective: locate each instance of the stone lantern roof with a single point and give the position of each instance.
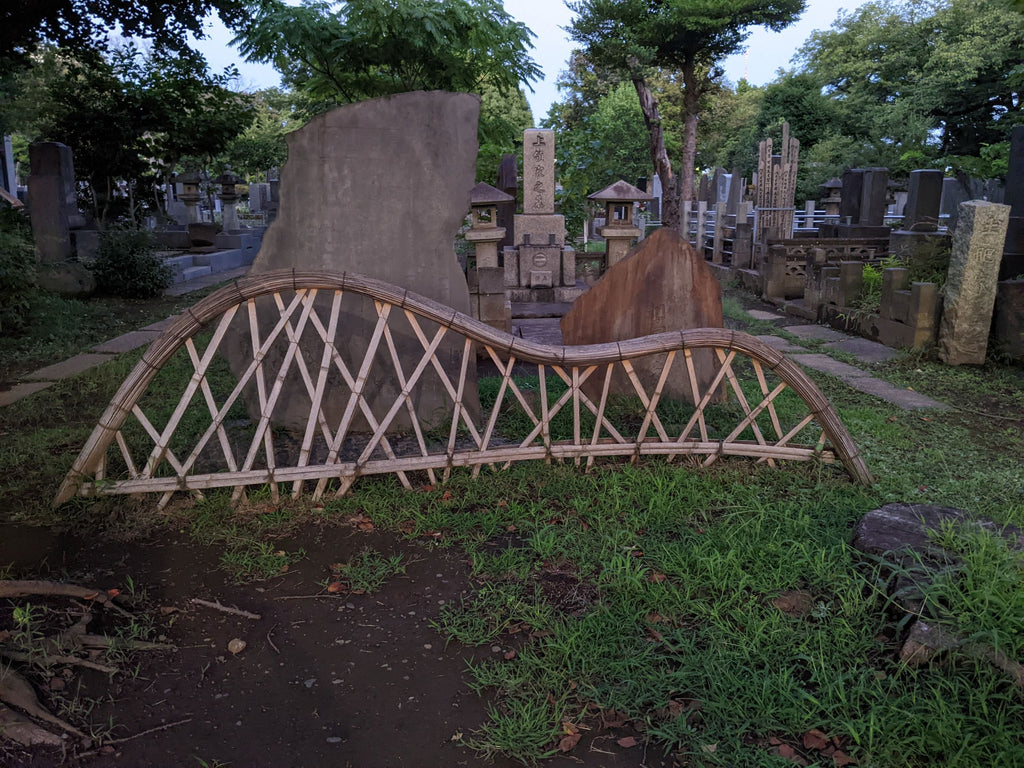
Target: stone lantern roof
(833, 183)
(621, 192)
(485, 194)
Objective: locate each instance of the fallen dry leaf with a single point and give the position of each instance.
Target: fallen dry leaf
(626, 742)
(656, 578)
(797, 602)
(612, 718)
(710, 747)
(569, 728)
(335, 586)
(446, 496)
(815, 739)
(566, 743)
(841, 759)
(509, 655)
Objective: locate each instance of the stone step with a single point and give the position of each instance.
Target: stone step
(190, 273)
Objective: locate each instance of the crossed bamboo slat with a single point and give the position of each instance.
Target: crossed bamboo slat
(470, 441)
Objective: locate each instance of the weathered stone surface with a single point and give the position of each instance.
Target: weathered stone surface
(924, 193)
(379, 188)
(70, 279)
(540, 229)
(538, 171)
(1008, 320)
(663, 285)
(51, 199)
(971, 284)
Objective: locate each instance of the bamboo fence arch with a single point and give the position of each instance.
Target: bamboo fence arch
(132, 452)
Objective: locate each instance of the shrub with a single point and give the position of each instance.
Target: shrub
(17, 270)
(126, 265)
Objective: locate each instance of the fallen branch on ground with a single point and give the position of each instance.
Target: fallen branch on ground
(215, 605)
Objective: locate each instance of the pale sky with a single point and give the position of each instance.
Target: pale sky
(767, 51)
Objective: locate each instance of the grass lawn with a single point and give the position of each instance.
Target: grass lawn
(722, 612)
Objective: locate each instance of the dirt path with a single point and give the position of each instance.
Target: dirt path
(359, 680)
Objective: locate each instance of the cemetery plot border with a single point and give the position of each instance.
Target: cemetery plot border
(758, 405)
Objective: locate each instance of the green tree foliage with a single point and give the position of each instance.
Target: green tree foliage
(128, 118)
(923, 79)
(729, 128)
(26, 25)
(262, 144)
(363, 49)
(503, 118)
(687, 36)
(608, 144)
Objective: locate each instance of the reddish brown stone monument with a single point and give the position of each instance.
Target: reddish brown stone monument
(662, 285)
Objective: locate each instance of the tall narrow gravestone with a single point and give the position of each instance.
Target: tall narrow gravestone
(377, 188)
(972, 282)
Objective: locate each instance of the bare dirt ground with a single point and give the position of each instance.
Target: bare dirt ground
(352, 680)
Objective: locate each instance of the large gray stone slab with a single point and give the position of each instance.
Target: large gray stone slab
(544, 330)
(760, 314)
(19, 391)
(831, 366)
(76, 365)
(970, 292)
(864, 349)
(907, 399)
(815, 333)
(126, 342)
(379, 188)
(779, 343)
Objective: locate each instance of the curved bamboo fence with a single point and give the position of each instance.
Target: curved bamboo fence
(287, 332)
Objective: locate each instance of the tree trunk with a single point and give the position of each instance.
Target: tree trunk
(659, 155)
(691, 108)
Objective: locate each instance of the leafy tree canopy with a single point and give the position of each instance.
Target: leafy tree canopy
(79, 24)
(687, 36)
(128, 117)
(945, 74)
(362, 49)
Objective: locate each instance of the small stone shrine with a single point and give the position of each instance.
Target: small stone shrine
(662, 285)
(972, 281)
(540, 267)
(407, 163)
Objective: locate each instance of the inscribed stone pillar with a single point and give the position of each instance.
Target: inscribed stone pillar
(379, 188)
(538, 171)
(972, 281)
(850, 203)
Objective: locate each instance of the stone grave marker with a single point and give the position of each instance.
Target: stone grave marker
(378, 188)
(662, 285)
(972, 281)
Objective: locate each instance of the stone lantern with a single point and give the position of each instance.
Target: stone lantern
(229, 198)
(485, 233)
(488, 300)
(830, 196)
(190, 194)
(619, 230)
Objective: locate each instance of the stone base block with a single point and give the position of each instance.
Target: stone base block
(540, 229)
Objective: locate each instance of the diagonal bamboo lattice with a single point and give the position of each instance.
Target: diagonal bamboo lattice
(549, 403)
